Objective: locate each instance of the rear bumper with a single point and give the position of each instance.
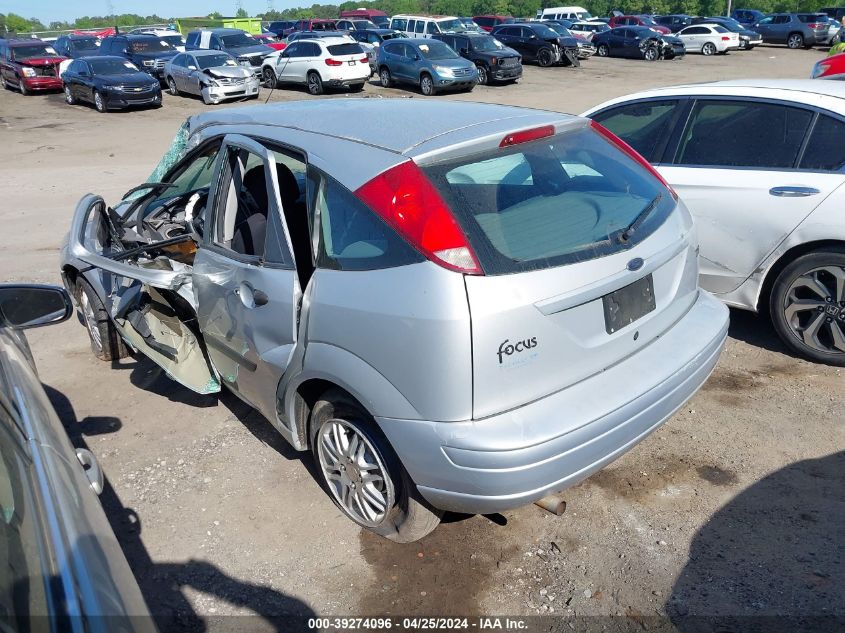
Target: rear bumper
(515, 458)
(42, 83)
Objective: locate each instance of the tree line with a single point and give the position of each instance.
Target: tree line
(12, 23)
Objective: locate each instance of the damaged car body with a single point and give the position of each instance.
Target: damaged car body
(213, 75)
(398, 301)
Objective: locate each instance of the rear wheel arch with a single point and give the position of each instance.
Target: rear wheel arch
(784, 260)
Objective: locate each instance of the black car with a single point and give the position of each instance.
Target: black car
(637, 42)
(280, 27)
(537, 42)
(494, 60)
(748, 39)
(674, 22)
(147, 52)
(110, 83)
(75, 46)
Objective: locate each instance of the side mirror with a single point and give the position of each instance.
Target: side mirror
(464, 51)
(31, 305)
(192, 67)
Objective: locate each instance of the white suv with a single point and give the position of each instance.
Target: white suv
(319, 63)
(426, 25)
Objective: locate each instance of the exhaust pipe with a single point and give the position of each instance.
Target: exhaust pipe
(553, 504)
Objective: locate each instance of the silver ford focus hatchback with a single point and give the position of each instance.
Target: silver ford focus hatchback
(454, 306)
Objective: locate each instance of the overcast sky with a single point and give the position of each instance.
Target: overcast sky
(50, 10)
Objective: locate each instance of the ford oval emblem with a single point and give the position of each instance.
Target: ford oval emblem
(636, 263)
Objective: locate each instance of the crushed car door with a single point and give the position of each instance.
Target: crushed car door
(244, 276)
(140, 265)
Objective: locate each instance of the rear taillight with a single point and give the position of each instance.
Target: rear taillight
(404, 198)
(726, 38)
(630, 151)
(364, 60)
(525, 136)
(333, 62)
(815, 25)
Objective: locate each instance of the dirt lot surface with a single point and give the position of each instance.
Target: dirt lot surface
(735, 507)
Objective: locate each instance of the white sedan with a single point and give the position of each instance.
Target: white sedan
(319, 63)
(708, 39)
(761, 166)
(588, 30)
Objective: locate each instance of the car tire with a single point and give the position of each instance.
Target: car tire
(427, 85)
(545, 57)
(106, 343)
(343, 437)
(385, 78)
(483, 77)
(69, 98)
(99, 103)
(4, 83)
(314, 83)
(795, 40)
(709, 48)
(808, 323)
(171, 85)
(603, 50)
(650, 54)
(268, 77)
(356, 87)
(22, 87)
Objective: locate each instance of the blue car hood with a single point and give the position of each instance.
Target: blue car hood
(460, 62)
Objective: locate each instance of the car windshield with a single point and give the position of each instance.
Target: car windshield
(450, 26)
(214, 61)
(731, 26)
(559, 29)
(174, 40)
(238, 40)
(437, 50)
(647, 20)
(550, 202)
(151, 45)
(720, 29)
(33, 50)
(543, 31)
(364, 24)
(393, 36)
(84, 44)
(112, 66)
(484, 44)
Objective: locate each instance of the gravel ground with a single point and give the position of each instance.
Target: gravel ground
(735, 507)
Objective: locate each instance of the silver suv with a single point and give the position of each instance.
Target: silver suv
(465, 313)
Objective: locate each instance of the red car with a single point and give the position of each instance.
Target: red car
(29, 65)
(487, 22)
(269, 40)
(832, 67)
(638, 20)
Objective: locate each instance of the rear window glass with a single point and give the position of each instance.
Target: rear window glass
(825, 151)
(345, 49)
(550, 202)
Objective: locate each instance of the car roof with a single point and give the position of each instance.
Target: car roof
(25, 41)
(815, 92)
(328, 41)
(437, 124)
(94, 58)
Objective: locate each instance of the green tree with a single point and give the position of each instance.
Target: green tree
(241, 13)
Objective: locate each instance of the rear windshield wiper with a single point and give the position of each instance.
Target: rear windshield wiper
(625, 234)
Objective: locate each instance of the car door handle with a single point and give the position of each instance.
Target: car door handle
(793, 192)
(92, 469)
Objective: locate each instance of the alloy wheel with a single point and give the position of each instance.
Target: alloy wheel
(795, 41)
(544, 58)
(427, 85)
(482, 75)
(90, 321)
(814, 309)
(269, 78)
(99, 103)
(650, 54)
(603, 50)
(355, 473)
(69, 96)
(708, 49)
(171, 84)
(384, 77)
